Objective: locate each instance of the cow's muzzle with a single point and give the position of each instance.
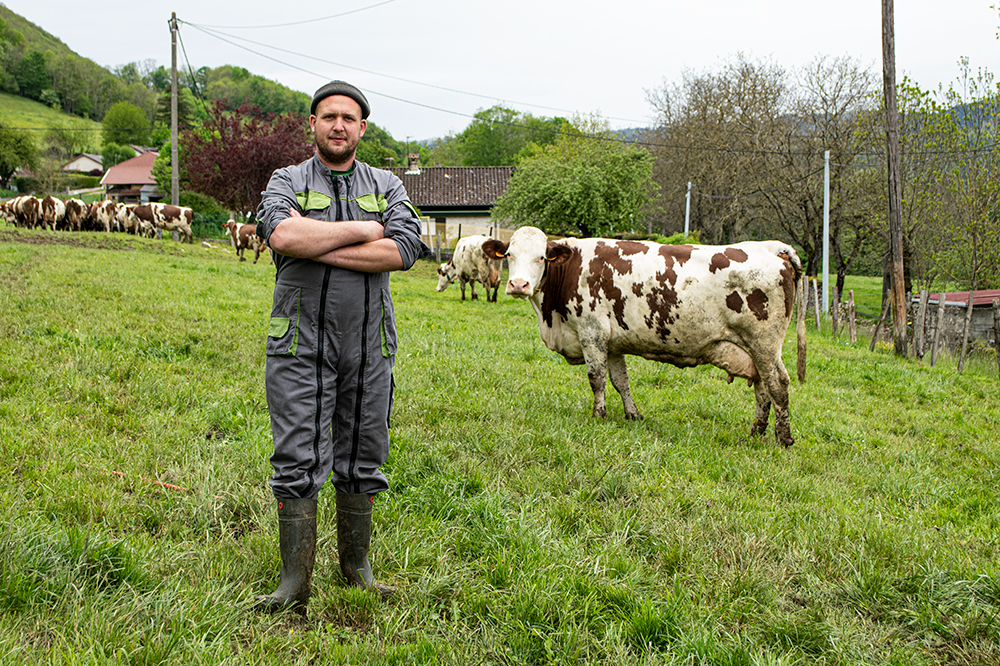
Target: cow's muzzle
(518, 288)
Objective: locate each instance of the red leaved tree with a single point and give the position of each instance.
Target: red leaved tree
(232, 155)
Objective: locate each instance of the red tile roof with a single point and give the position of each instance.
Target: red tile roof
(136, 171)
(454, 186)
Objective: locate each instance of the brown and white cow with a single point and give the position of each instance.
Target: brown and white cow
(174, 218)
(244, 237)
(104, 214)
(53, 212)
(599, 299)
(142, 219)
(27, 211)
(77, 214)
(470, 264)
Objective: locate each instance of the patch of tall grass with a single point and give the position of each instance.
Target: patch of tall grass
(517, 528)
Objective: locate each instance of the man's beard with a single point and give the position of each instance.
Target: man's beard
(333, 155)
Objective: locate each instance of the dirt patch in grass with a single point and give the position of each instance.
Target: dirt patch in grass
(95, 241)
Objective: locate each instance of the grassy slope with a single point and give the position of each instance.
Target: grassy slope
(22, 112)
(517, 529)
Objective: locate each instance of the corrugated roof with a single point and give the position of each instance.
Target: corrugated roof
(136, 171)
(454, 186)
(981, 297)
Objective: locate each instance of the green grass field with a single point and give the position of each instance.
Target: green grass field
(21, 112)
(518, 530)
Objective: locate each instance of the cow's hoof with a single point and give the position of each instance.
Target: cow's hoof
(758, 428)
(634, 416)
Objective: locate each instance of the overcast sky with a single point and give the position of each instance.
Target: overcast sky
(428, 65)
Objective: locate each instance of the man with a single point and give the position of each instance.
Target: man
(337, 227)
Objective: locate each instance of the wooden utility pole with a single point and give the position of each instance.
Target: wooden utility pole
(895, 187)
(174, 180)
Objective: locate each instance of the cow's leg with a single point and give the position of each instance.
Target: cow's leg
(461, 283)
(595, 354)
(778, 388)
(763, 408)
(472, 283)
(619, 379)
(773, 384)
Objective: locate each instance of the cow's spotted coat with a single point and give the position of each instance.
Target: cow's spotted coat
(599, 299)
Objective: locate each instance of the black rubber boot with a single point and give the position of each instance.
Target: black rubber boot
(297, 537)
(354, 535)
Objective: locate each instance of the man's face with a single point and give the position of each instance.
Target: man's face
(337, 128)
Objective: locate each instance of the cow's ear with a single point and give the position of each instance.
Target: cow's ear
(557, 253)
(494, 249)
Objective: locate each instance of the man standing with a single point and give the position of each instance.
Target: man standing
(337, 227)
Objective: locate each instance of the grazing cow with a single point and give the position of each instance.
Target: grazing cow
(104, 214)
(27, 211)
(174, 218)
(243, 237)
(143, 219)
(53, 212)
(599, 299)
(77, 214)
(470, 264)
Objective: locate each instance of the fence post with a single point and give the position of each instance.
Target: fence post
(965, 334)
(437, 247)
(878, 325)
(996, 329)
(816, 299)
(937, 329)
(851, 316)
(918, 325)
(835, 312)
(800, 330)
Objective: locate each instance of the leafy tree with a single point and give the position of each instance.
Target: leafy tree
(185, 109)
(17, 150)
(585, 184)
(114, 153)
(32, 77)
(378, 148)
(126, 123)
(498, 136)
(232, 156)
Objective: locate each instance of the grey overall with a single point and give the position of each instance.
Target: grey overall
(332, 336)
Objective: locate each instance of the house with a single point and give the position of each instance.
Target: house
(956, 306)
(132, 181)
(456, 201)
(85, 163)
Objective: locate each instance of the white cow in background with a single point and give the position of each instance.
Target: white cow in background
(470, 264)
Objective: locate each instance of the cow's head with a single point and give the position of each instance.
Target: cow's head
(528, 254)
(446, 275)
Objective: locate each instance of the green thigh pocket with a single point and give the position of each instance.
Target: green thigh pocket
(283, 329)
(388, 326)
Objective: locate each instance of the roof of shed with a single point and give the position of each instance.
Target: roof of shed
(979, 298)
(454, 186)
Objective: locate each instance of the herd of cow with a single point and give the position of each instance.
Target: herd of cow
(75, 215)
(599, 299)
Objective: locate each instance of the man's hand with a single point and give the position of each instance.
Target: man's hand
(306, 238)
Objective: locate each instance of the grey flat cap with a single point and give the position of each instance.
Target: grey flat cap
(340, 88)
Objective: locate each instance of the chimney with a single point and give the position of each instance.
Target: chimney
(413, 165)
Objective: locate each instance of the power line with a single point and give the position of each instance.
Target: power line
(220, 35)
(303, 22)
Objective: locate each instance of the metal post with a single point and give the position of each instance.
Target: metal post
(174, 178)
(687, 212)
(826, 231)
